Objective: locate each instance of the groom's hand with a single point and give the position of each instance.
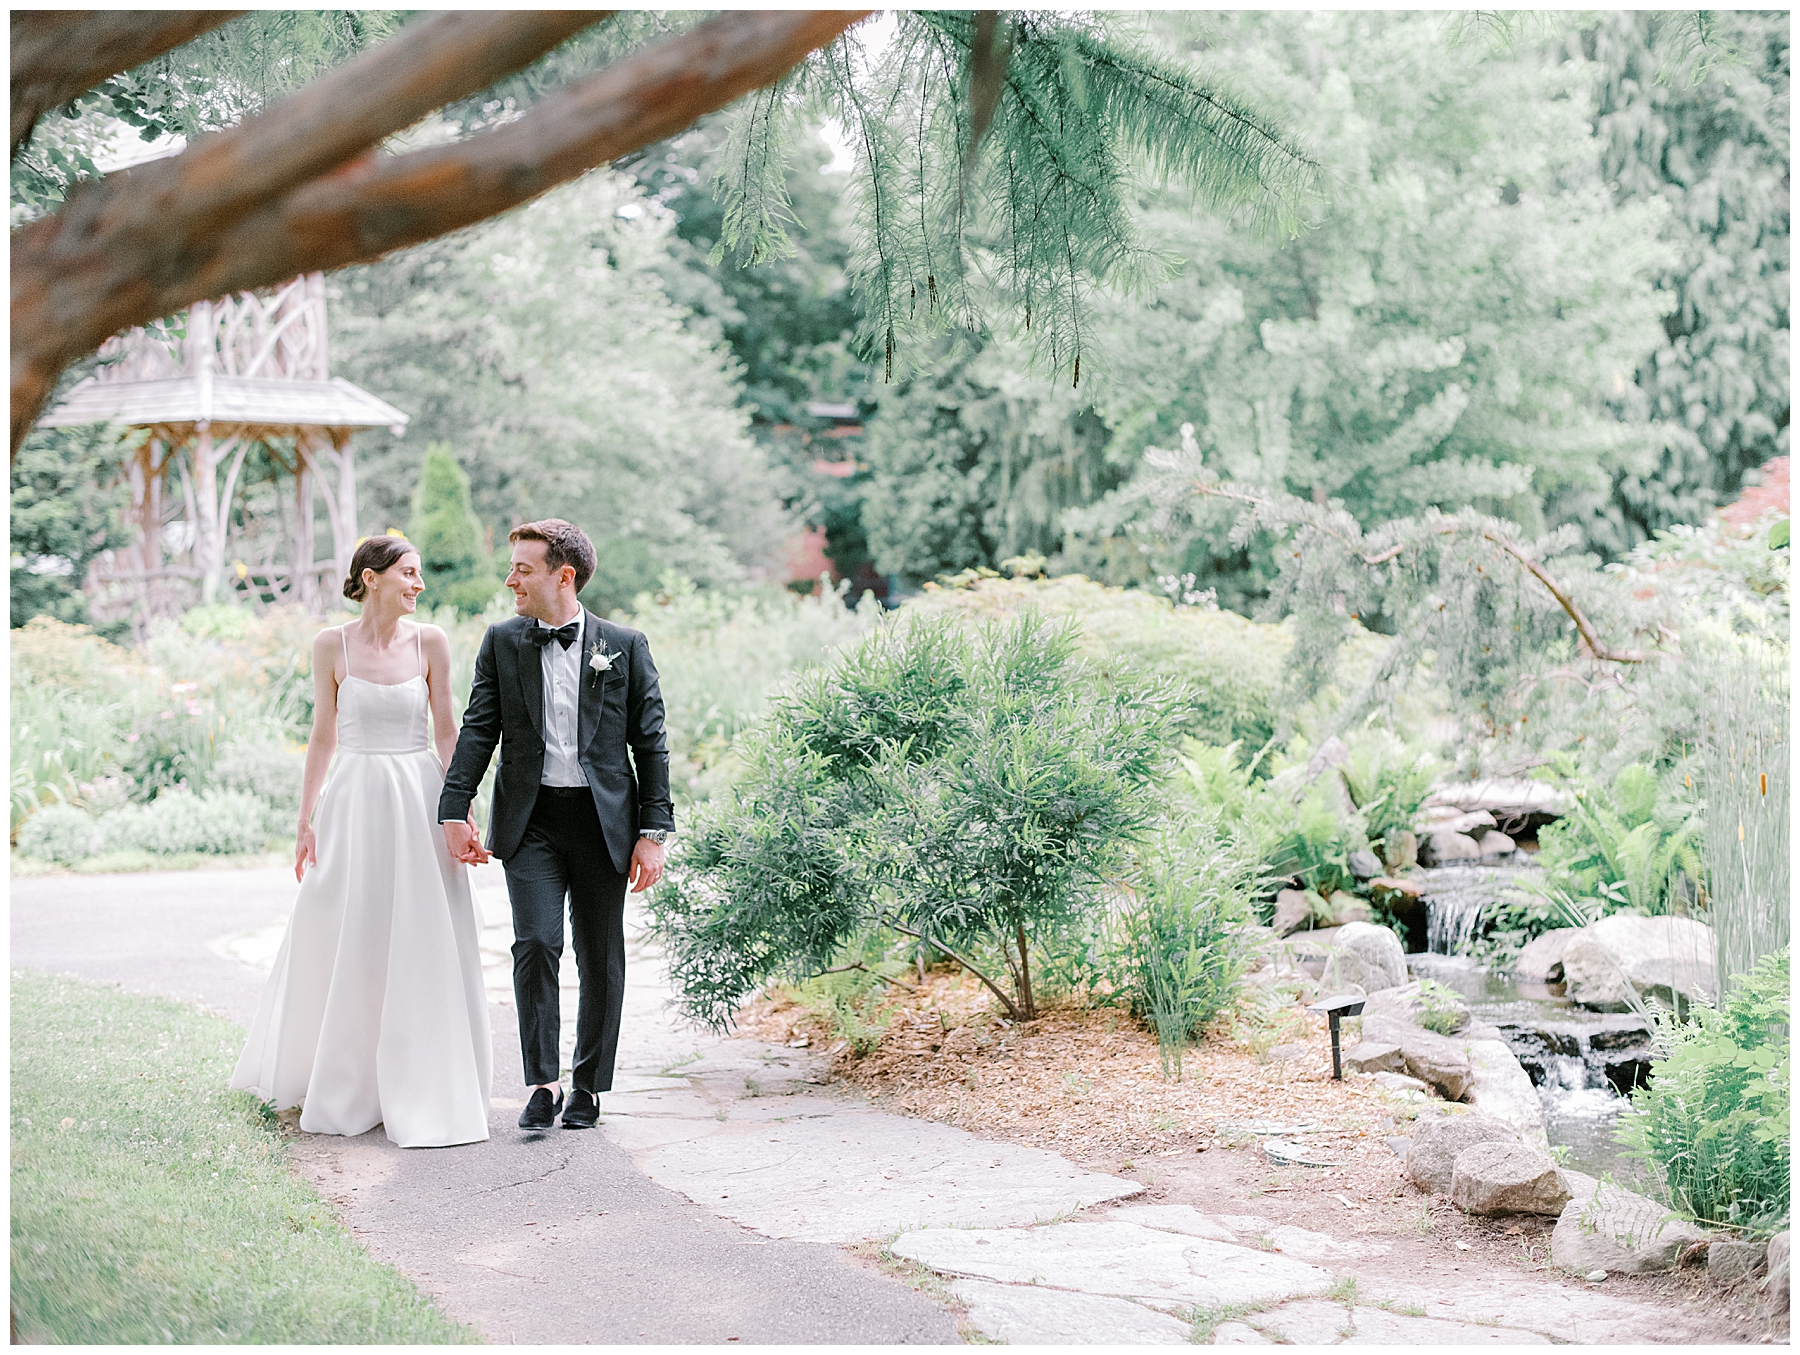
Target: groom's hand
(646, 864)
(464, 842)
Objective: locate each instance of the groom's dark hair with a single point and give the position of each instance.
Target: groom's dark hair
(564, 544)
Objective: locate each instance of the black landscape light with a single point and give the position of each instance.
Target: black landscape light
(1335, 1009)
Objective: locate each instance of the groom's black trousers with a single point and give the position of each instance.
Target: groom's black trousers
(564, 854)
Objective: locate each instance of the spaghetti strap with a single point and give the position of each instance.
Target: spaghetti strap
(419, 646)
(344, 635)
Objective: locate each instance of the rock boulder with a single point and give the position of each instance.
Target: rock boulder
(1494, 844)
(1501, 1089)
(1365, 865)
(1292, 911)
(1613, 1229)
(1444, 848)
(1541, 960)
(1775, 1284)
(1436, 1144)
(1368, 956)
(1431, 1058)
(1372, 1056)
(1496, 1177)
(1731, 1262)
(1668, 955)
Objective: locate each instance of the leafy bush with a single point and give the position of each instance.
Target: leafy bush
(60, 833)
(1388, 780)
(1228, 667)
(1176, 951)
(266, 770)
(971, 790)
(216, 823)
(722, 656)
(1713, 1123)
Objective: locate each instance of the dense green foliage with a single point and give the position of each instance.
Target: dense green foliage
(152, 1206)
(975, 790)
(1713, 1123)
(1703, 129)
(62, 518)
(544, 348)
(457, 563)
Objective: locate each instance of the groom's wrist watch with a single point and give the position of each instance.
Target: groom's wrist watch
(657, 835)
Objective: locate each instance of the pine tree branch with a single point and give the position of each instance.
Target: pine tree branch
(135, 248)
(59, 54)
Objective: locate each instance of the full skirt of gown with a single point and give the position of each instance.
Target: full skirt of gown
(376, 1012)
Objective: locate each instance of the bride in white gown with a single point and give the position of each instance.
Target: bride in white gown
(376, 1012)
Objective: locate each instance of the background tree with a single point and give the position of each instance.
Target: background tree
(63, 516)
(456, 559)
(545, 348)
(1704, 130)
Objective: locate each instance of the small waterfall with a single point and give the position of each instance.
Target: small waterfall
(1565, 1072)
(1450, 920)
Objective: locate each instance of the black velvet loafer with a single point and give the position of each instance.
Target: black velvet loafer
(583, 1111)
(540, 1110)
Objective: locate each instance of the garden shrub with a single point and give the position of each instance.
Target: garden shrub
(176, 823)
(266, 770)
(1229, 667)
(1177, 948)
(1713, 1123)
(61, 833)
(975, 790)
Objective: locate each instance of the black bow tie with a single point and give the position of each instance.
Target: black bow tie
(563, 635)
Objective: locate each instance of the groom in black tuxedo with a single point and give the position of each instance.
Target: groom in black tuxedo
(564, 695)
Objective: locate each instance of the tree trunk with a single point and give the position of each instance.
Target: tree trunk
(305, 581)
(1027, 1005)
(298, 188)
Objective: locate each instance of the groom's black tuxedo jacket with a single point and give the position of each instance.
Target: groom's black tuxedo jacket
(620, 708)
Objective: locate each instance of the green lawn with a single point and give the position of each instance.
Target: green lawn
(150, 1204)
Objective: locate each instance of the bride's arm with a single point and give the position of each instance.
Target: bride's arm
(320, 746)
(437, 681)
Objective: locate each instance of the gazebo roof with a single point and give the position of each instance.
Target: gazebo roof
(225, 400)
(251, 362)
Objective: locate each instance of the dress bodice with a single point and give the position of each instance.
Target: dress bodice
(383, 717)
(376, 717)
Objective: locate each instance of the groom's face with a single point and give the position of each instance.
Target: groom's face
(537, 589)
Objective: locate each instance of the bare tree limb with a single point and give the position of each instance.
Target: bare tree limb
(57, 54)
(111, 259)
(1583, 626)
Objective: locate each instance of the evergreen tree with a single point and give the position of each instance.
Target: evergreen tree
(62, 517)
(458, 566)
(1712, 142)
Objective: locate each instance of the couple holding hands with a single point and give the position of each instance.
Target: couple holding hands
(376, 1012)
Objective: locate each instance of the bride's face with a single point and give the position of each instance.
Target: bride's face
(399, 585)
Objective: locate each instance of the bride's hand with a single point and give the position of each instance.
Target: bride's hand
(306, 851)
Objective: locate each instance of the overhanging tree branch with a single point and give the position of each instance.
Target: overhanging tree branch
(58, 54)
(128, 251)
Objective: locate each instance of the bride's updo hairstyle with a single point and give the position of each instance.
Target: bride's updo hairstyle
(379, 553)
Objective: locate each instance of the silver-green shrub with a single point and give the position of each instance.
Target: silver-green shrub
(60, 833)
(215, 823)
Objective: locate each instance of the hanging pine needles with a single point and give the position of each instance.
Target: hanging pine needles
(997, 159)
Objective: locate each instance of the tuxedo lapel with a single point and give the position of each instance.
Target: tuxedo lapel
(531, 679)
(589, 706)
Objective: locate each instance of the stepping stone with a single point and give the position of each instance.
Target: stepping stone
(1319, 1322)
(1031, 1315)
(1178, 1218)
(1119, 1259)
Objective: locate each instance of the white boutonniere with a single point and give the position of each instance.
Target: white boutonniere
(601, 662)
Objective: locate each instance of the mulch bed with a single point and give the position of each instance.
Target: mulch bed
(1087, 1081)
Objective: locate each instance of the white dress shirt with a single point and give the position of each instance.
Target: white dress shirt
(562, 710)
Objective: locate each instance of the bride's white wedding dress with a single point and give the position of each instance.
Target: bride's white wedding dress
(376, 1012)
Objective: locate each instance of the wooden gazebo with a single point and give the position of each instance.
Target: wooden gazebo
(196, 398)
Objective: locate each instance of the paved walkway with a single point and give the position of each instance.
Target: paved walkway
(716, 1202)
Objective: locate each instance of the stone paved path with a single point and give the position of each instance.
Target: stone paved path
(714, 1204)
